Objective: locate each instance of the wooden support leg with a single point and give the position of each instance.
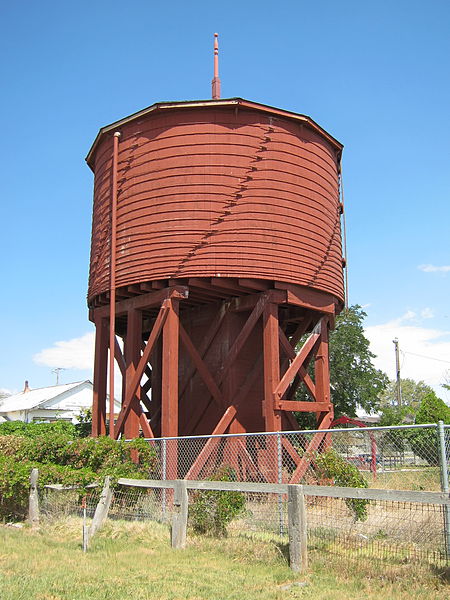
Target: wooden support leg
(100, 377)
(132, 355)
(268, 458)
(169, 412)
(271, 343)
(322, 379)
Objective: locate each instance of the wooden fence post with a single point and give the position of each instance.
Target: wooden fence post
(180, 514)
(33, 504)
(102, 508)
(298, 549)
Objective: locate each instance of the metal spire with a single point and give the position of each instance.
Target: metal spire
(216, 81)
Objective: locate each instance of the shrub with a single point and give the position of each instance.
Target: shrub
(62, 459)
(211, 511)
(37, 429)
(15, 482)
(330, 465)
(424, 442)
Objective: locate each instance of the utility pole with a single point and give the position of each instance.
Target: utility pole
(397, 369)
(57, 372)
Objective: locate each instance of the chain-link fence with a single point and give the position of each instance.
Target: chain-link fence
(408, 458)
(390, 527)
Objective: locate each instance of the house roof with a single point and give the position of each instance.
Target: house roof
(34, 398)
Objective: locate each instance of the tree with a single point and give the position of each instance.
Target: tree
(413, 392)
(424, 442)
(354, 380)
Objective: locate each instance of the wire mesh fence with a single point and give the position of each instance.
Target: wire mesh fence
(57, 502)
(398, 458)
(384, 530)
(403, 457)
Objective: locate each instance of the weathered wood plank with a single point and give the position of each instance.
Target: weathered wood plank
(33, 504)
(102, 508)
(298, 549)
(180, 514)
(309, 490)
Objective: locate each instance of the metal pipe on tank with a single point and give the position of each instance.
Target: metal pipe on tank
(112, 294)
(216, 80)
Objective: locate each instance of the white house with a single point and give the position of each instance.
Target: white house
(55, 403)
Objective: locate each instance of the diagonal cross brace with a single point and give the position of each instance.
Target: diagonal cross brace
(298, 362)
(234, 352)
(133, 376)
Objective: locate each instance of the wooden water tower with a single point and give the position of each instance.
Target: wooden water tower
(216, 249)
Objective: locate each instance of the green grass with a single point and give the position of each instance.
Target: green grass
(134, 561)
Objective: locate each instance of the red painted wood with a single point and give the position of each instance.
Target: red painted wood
(271, 352)
(100, 377)
(132, 354)
(208, 192)
(215, 204)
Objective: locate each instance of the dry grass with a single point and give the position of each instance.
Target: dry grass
(135, 561)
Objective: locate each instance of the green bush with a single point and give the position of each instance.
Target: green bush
(424, 442)
(330, 465)
(61, 458)
(211, 511)
(15, 482)
(38, 429)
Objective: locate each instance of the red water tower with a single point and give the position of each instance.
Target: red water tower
(216, 250)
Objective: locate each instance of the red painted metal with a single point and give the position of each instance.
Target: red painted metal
(344, 420)
(112, 281)
(216, 80)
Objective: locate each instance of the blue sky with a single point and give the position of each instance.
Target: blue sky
(375, 75)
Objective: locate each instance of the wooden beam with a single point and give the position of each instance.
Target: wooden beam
(207, 341)
(321, 365)
(243, 335)
(254, 284)
(298, 361)
(271, 357)
(100, 378)
(201, 367)
(145, 426)
(313, 445)
(308, 298)
(132, 352)
(119, 357)
(169, 412)
(302, 406)
(199, 411)
(247, 303)
(144, 301)
(135, 378)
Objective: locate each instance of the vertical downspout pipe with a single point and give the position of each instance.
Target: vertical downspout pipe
(112, 293)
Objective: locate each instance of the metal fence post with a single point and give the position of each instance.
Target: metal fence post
(444, 482)
(280, 480)
(164, 476)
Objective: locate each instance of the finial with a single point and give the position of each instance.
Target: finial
(216, 81)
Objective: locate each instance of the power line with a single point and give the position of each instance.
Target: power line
(428, 357)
